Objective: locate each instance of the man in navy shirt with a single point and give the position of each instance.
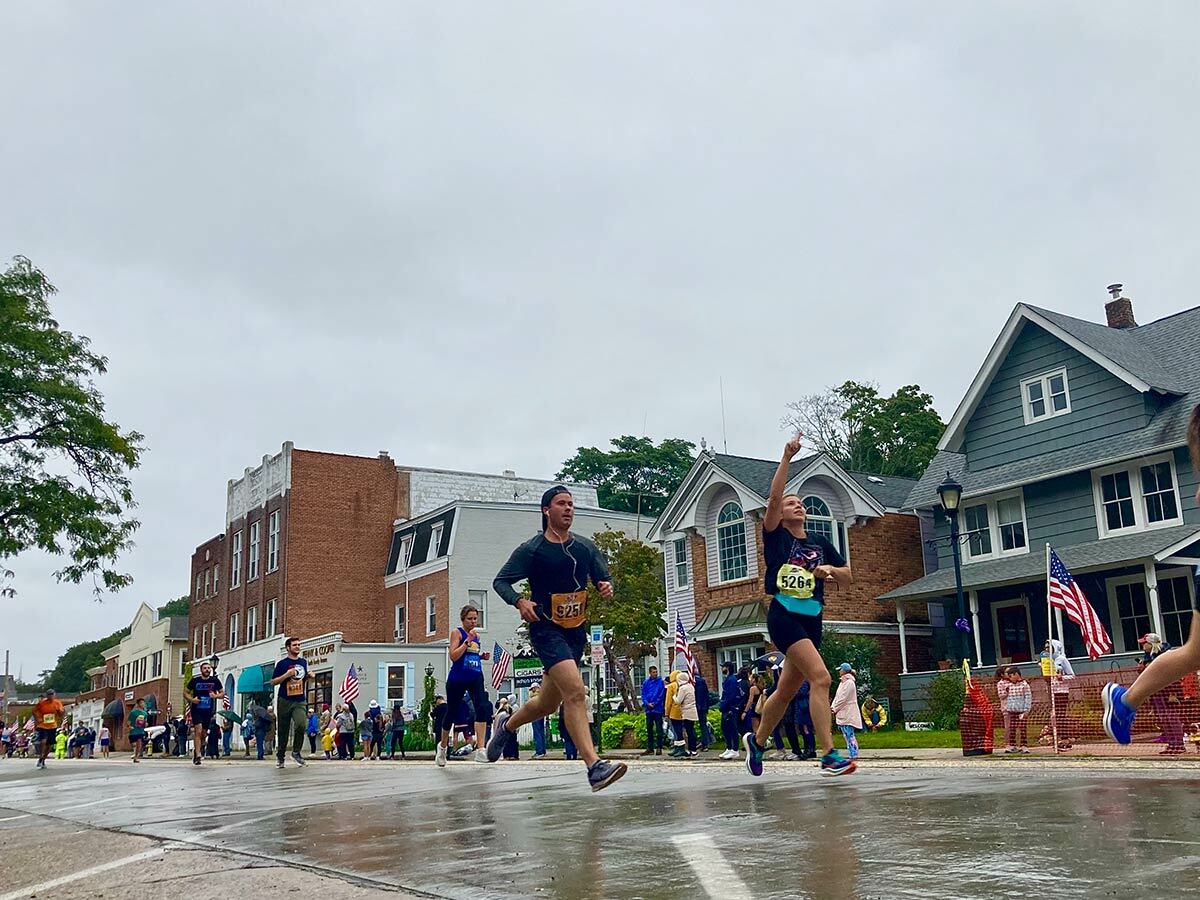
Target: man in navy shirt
(291, 674)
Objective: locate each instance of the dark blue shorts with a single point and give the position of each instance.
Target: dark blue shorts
(554, 645)
(787, 628)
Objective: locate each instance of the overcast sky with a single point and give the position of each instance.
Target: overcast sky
(481, 235)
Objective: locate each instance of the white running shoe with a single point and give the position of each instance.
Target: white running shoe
(439, 756)
(480, 755)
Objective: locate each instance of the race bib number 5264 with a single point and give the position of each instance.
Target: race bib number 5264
(795, 581)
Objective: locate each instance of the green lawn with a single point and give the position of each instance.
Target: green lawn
(898, 739)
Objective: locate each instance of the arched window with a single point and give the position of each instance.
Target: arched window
(731, 542)
(819, 520)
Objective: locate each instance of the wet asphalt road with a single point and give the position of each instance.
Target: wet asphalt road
(665, 831)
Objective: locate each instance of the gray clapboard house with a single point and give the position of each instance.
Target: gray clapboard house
(1073, 433)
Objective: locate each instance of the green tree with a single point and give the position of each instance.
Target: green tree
(636, 476)
(175, 609)
(69, 675)
(862, 652)
(633, 618)
(64, 468)
(868, 432)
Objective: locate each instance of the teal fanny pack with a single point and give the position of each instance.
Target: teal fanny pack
(807, 607)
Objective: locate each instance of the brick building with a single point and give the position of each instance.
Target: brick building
(711, 535)
(305, 551)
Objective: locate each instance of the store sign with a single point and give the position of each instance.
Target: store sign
(319, 655)
(129, 695)
(527, 672)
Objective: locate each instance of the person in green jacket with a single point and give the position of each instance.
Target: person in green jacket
(137, 728)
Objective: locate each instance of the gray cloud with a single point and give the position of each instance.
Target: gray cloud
(481, 236)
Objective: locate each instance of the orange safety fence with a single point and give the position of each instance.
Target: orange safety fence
(1066, 718)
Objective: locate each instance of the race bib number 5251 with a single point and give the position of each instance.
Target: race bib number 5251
(568, 610)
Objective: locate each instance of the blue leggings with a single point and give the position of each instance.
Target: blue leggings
(851, 740)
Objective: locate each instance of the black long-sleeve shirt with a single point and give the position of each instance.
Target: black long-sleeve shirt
(551, 568)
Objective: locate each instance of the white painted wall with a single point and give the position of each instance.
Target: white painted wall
(432, 488)
(484, 539)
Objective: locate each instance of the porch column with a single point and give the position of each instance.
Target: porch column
(1152, 596)
(973, 596)
(903, 647)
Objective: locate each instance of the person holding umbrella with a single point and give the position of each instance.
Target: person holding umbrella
(231, 719)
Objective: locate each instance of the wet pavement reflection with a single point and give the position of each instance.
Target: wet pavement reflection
(534, 830)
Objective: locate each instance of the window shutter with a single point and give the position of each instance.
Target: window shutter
(381, 686)
(410, 691)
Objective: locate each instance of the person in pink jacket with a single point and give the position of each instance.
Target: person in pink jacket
(845, 708)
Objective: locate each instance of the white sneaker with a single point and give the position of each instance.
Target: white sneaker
(480, 755)
(793, 757)
(729, 754)
(439, 756)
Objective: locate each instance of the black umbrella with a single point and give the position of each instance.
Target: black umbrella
(115, 710)
(768, 660)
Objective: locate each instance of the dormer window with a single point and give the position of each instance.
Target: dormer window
(1045, 396)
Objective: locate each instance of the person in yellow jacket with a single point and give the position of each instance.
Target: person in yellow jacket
(674, 713)
(60, 745)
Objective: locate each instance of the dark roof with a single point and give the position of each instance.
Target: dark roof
(749, 616)
(1124, 346)
(756, 474)
(178, 629)
(1164, 354)
(1031, 566)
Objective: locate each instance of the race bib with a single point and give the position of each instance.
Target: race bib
(48, 719)
(568, 610)
(795, 581)
(295, 688)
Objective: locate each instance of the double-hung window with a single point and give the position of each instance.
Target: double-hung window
(233, 631)
(254, 545)
(1136, 496)
(273, 542)
(994, 527)
(679, 552)
(235, 564)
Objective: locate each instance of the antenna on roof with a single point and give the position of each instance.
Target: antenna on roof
(724, 434)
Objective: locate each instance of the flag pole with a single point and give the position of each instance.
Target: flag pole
(1049, 638)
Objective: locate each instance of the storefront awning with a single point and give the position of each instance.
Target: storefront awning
(732, 621)
(252, 681)
(1130, 549)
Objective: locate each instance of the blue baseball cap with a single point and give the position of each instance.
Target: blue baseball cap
(845, 667)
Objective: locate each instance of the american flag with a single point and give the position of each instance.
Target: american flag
(350, 686)
(501, 660)
(225, 704)
(1066, 594)
(30, 725)
(681, 644)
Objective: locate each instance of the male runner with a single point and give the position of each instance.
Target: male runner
(1121, 703)
(558, 565)
(47, 716)
(798, 565)
(291, 674)
(201, 692)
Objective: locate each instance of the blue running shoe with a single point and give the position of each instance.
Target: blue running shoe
(1118, 717)
(834, 763)
(754, 754)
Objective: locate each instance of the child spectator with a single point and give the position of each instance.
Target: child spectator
(845, 708)
(1016, 710)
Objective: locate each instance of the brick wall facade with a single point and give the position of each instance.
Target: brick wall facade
(436, 585)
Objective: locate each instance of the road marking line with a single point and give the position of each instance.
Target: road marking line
(716, 875)
(14, 818)
(78, 876)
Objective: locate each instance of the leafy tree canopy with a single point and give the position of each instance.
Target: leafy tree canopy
(635, 476)
(64, 468)
(868, 432)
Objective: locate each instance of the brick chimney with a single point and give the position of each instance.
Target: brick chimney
(1119, 310)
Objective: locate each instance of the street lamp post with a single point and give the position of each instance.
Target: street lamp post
(950, 492)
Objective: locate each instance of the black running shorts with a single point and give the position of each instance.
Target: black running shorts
(457, 689)
(787, 628)
(202, 717)
(553, 644)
